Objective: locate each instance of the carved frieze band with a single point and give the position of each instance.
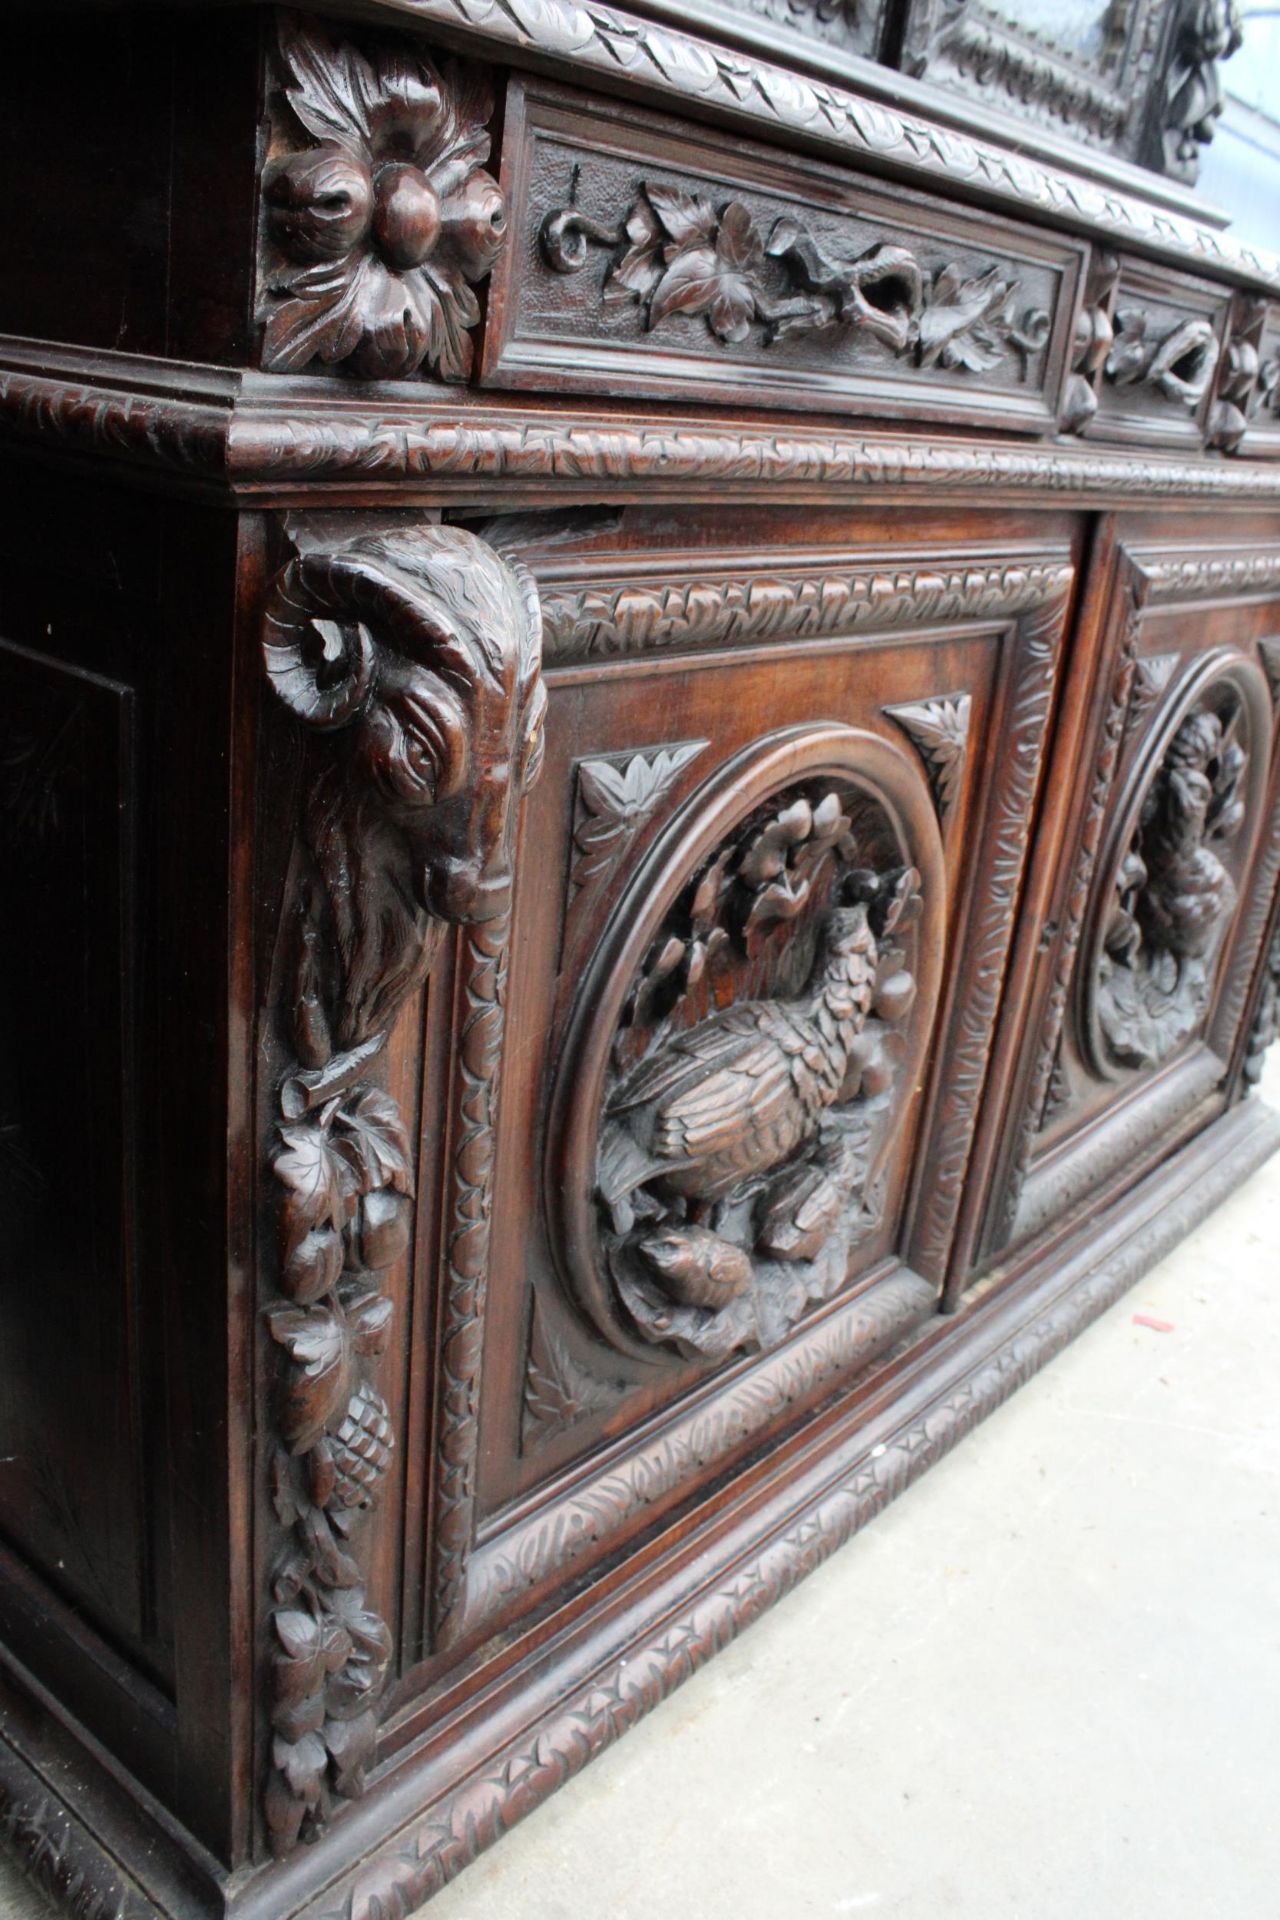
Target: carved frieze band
(677, 252)
(217, 439)
(380, 217)
(639, 616)
(412, 658)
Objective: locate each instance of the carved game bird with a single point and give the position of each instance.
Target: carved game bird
(734, 1096)
(1189, 891)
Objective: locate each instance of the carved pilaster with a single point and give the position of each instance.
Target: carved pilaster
(413, 659)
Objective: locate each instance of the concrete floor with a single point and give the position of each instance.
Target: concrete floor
(1045, 1684)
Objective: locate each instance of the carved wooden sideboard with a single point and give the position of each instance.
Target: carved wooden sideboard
(640, 805)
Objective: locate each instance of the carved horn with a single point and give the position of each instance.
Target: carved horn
(321, 667)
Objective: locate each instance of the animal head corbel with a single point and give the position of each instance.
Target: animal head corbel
(414, 656)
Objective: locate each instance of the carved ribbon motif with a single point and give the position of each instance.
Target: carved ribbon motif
(676, 252)
(413, 657)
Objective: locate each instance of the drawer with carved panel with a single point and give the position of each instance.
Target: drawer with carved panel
(1164, 336)
(655, 258)
(1135, 1003)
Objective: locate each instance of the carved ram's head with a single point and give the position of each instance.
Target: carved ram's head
(424, 646)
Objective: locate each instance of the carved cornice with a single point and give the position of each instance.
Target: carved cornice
(412, 657)
(595, 41)
(262, 437)
(586, 1718)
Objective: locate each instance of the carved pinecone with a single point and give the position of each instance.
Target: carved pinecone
(361, 1448)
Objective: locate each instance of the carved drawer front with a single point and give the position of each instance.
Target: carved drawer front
(649, 257)
(1159, 342)
(1134, 1020)
(758, 937)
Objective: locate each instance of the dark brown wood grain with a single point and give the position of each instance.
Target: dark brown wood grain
(473, 1240)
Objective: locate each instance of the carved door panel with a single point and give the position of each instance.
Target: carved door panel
(1147, 956)
(760, 922)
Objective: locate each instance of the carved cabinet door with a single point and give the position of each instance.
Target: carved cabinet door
(1146, 958)
(762, 906)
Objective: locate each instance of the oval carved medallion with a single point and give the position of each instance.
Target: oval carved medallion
(745, 1047)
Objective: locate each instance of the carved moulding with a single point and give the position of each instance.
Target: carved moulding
(1168, 889)
(378, 228)
(412, 657)
(740, 1061)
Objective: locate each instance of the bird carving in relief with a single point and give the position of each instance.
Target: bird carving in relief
(1188, 891)
(738, 1094)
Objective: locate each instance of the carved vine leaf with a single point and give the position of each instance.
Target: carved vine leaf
(939, 731)
(616, 798)
(1150, 678)
(678, 253)
(558, 1391)
(383, 226)
(378, 869)
(1269, 654)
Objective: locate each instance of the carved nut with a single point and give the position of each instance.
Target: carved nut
(378, 1235)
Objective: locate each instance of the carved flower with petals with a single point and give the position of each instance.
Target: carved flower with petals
(383, 226)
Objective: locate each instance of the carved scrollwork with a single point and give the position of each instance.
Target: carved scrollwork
(413, 659)
(750, 1075)
(1170, 894)
(382, 225)
(676, 252)
(1179, 364)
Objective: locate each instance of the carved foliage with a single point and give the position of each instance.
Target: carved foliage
(1171, 895)
(676, 252)
(1206, 32)
(616, 797)
(382, 224)
(752, 1076)
(413, 658)
(939, 730)
(558, 1390)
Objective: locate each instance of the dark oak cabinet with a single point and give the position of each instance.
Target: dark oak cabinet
(640, 848)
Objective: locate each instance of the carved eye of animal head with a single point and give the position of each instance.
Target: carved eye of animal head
(415, 740)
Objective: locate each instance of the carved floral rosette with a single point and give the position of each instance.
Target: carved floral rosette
(412, 658)
(745, 1047)
(1169, 889)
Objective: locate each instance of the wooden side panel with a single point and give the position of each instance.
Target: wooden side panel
(71, 1477)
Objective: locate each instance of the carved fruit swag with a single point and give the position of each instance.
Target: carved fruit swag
(385, 224)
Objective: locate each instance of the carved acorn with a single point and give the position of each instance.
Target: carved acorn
(377, 1234)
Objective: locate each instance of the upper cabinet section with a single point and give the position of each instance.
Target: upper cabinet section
(1134, 78)
(650, 257)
